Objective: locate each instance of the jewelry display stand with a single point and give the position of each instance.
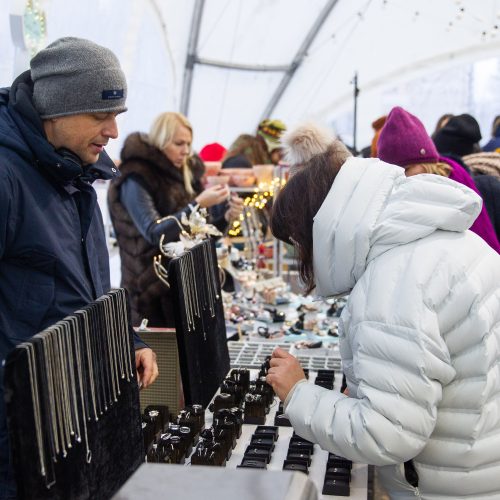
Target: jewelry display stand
(72, 405)
(244, 427)
(199, 320)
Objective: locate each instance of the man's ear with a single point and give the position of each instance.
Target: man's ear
(49, 128)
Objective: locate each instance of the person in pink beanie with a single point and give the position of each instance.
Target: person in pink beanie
(403, 141)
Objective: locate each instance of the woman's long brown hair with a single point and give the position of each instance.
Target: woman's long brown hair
(252, 147)
(299, 201)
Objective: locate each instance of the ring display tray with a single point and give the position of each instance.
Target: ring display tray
(359, 484)
(252, 354)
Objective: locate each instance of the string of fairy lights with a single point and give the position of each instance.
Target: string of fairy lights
(262, 194)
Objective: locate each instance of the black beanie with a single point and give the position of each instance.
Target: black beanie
(458, 136)
(238, 161)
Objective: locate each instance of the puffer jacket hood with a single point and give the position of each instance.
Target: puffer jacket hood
(356, 223)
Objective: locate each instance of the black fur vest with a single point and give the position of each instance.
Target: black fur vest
(148, 295)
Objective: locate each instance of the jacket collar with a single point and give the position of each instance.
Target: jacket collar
(104, 169)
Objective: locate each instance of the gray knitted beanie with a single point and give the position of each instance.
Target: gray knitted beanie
(73, 76)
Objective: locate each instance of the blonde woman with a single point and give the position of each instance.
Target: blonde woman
(159, 177)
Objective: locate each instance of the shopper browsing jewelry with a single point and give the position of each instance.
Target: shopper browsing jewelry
(419, 333)
(160, 178)
(55, 121)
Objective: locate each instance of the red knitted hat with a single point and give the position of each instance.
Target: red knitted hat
(212, 152)
(404, 141)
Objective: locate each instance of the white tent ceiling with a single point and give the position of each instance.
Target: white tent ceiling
(422, 54)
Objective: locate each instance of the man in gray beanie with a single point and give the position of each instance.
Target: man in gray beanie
(75, 84)
(55, 121)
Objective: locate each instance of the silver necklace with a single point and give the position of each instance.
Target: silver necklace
(50, 389)
(126, 349)
(90, 366)
(35, 398)
(79, 364)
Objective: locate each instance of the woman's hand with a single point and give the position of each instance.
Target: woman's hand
(213, 195)
(235, 208)
(284, 373)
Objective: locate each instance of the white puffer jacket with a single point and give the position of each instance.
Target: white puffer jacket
(419, 336)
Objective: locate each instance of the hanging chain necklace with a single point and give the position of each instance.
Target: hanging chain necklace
(75, 369)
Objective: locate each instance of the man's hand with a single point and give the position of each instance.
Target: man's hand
(145, 364)
(284, 373)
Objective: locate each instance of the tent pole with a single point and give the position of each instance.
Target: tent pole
(299, 57)
(355, 121)
(191, 55)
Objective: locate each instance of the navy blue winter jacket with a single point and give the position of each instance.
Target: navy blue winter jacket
(53, 254)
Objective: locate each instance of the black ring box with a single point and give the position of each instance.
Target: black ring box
(336, 461)
(254, 453)
(252, 464)
(302, 457)
(295, 466)
(268, 431)
(336, 487)
(266, 443)
(338, 473)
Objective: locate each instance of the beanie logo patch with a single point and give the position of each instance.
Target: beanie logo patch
(109, 95)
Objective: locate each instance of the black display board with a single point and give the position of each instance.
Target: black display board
(114, 440)
(199, 320)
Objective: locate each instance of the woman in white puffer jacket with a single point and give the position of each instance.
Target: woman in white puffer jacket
(420, 334)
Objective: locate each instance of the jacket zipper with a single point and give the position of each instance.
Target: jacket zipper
(411, 476)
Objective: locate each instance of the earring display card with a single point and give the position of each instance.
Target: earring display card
(72, 405)
(199, 320)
